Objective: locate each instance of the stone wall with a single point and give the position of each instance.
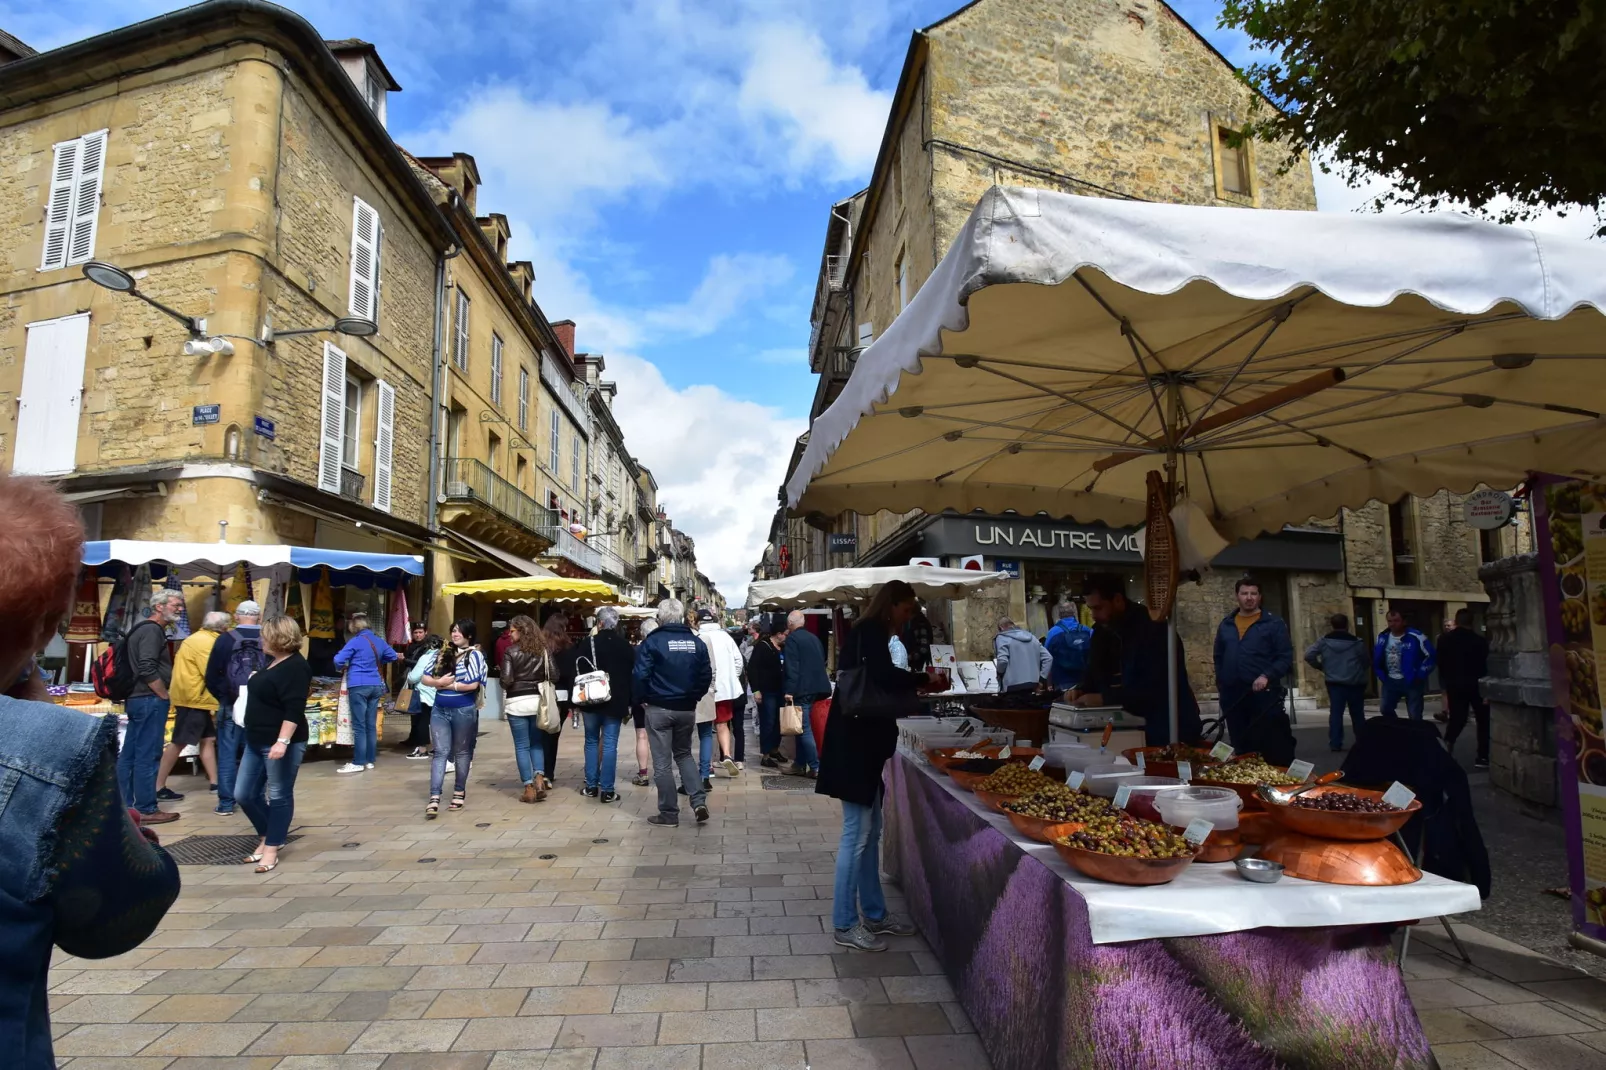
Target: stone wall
(1522, 723)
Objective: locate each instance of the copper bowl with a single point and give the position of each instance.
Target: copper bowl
(1340, 824)
(1161, 767)
(943, 757)
(1033, 828)
(1377, 863)
(994, 800)
(1112, 868)
(1256, 826)
(967, 774)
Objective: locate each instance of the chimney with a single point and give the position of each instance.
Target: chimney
(564, 329)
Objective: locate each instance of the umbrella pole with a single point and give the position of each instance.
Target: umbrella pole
(1171, 673)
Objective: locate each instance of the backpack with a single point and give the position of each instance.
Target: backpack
(246, 658)
(112, 672)
(1069, 649)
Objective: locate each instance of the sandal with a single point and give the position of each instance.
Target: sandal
(434, 806)
(541, 787)
(254, 857)
(458, 800)
(267, 867)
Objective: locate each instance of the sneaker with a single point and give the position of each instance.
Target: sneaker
(701, 813)
(860, 939)
(590, 793)
(370, 765)
(769, 762)
(157, 817)
(212, 788)
(730, 767)
(641, 779)
(608, 797)
(419, 754)
(891, 925)
(796, 770)
(168, 795)
(349, 767)
(708, 785)
(681, 790)
(660, 819)
(224, 811)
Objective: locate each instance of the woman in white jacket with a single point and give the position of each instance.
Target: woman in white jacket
(728, 690)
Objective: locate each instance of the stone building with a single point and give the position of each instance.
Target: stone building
(1102, 99)
(619, 521)
(239, 169)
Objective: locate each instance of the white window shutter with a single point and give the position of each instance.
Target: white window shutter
(58, 210)
(382, 444)
(364, 261)
(86, 197)
(331, 435)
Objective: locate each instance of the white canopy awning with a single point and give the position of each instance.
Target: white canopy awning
(850, 585)
(1292, 362)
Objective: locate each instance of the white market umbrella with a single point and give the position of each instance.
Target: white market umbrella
(849, 585)
(1290, 362)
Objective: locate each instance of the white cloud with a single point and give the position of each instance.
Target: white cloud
(729, 284)
(718, 460)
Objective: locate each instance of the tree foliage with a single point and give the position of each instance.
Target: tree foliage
(1456, 100)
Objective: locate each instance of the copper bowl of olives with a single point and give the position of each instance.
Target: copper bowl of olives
(972, 771)
(1373, 819)
(1117, 869)
(995, 800)
(943, 757)
(1069, 806)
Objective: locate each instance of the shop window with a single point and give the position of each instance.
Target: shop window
(1402, 541)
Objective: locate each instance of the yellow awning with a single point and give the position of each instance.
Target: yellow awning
(532, 588)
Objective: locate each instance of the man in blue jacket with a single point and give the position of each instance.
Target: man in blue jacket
(361, 659)
(1253, 654)
(1403, 660)
(804, 679)
(1067, 644)
(673, 672)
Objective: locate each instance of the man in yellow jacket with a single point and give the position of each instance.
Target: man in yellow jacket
(193, 705)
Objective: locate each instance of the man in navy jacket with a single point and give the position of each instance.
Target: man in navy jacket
(673, 672)
(1403, 660)
(1253, 654)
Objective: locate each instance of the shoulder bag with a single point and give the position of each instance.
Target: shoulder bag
(550, 719)
(791, 718)
(238, 713)
(859, 696)
(592, 688)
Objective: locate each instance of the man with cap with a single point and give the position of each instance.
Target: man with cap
(235, 656)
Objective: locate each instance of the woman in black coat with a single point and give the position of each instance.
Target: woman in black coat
(607, 651)
(856, 749)
(766, 677)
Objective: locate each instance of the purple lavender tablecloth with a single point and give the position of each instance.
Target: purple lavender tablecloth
(1013, 939)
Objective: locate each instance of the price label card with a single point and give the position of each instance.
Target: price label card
(1143, 762)
(1073, 780)
(1037, 763)
(1399, 795)
(1004, 753)
(1185, 772)
(1301, 769)
(1221, 752)
(1122, 794)
(1198, 831)
(1023, 743)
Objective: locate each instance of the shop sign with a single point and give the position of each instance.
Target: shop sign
(842, 542)
(1489, 509)
(1021, 539)
(204, 414)
(264, 427)
(1003, 565)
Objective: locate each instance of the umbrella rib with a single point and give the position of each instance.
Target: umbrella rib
(1040, 365)
(1136, 343)
(1276, 318)
(1066, 398)
(1395, 336)
(1542, 406)
(1279, 313)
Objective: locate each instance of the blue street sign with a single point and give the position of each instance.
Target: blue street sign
(204, 414)
(263, 426)
(1011, 567)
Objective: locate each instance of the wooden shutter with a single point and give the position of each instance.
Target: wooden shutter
(331, 435)
(460, 332)
(364, 260)
(58, 210)
(86, 197)
(383, 438)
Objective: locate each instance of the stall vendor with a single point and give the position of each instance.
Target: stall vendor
(1137, 681)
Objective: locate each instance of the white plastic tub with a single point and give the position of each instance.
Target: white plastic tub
(1219, 806)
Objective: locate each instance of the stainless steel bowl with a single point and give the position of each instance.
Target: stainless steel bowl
(1259, 870)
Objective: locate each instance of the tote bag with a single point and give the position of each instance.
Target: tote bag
(859, 696)
(550, 718)
(791, 718)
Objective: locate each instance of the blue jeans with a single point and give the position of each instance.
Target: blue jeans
(363, 700)
(452, 732)
(142, 751)
(769, 724)
(1413, 694)
(529, 744)
(808, 755)
(601, 728)
(1341, 697)
(858, 866)
(266, 789)
(705, 749)
(230, 745)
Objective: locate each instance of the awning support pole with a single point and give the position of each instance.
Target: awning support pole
(1171, 690)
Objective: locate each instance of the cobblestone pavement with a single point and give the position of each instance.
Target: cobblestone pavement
(385, 941)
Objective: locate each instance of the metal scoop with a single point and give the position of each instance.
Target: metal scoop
(1283, 797)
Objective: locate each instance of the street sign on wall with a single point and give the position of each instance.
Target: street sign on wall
(264, 427)
(204, 414)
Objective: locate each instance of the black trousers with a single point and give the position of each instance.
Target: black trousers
(1462, 704)
(1257, 721)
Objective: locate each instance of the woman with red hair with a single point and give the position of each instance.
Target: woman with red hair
(75, 871)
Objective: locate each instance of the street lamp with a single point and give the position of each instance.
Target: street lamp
(355, 326)
(117, 280)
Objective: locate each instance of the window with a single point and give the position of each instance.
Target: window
(1489, 545)
(74, 202)
(897, 177)
(903, 281)
(365, 235)
(574, 464)
(554, 446)
(521, 472)
(332, 425)
(496, 369)
(1233, 172)
(460, 333)
(1402, 541)
(352, 420)
(524, 398)
(493, 452)
(866, 333)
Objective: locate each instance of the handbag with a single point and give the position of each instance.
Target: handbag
(592, 688)
(379, 663)
(238, 713)
(791, 718)
(859, 696)
(550, 718)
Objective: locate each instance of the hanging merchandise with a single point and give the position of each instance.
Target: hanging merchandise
(180, 628)
(113, 628)
(294, 608)
(274, 606)
(84, 625)
(239, 589)
(323, 608)
(138, 606)
(1160, 566)
(396, 631)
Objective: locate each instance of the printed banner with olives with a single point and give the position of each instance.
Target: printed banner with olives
(1573, 513)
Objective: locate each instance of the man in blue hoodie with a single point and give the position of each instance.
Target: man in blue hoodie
(1253, 653)
(361, 659)
(1067, 644)
(1403, 661)
(673, 672)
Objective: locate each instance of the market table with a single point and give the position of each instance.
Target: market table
(1058, 970)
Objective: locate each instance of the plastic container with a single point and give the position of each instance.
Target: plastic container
(1072, 755)
(1219, 806)
(1144, 790)
(1103, 777)
(982, 737)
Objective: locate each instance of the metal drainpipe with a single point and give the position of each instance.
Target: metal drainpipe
(436, 387)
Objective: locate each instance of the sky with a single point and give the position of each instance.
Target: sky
(668, 168)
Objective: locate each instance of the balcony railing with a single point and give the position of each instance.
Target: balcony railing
(565, 545)
(613, 564)
(351, 484)
(472, 480)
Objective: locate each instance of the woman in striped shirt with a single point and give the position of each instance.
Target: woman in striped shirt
(455, 722)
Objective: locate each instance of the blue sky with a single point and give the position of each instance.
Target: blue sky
(667, 165)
